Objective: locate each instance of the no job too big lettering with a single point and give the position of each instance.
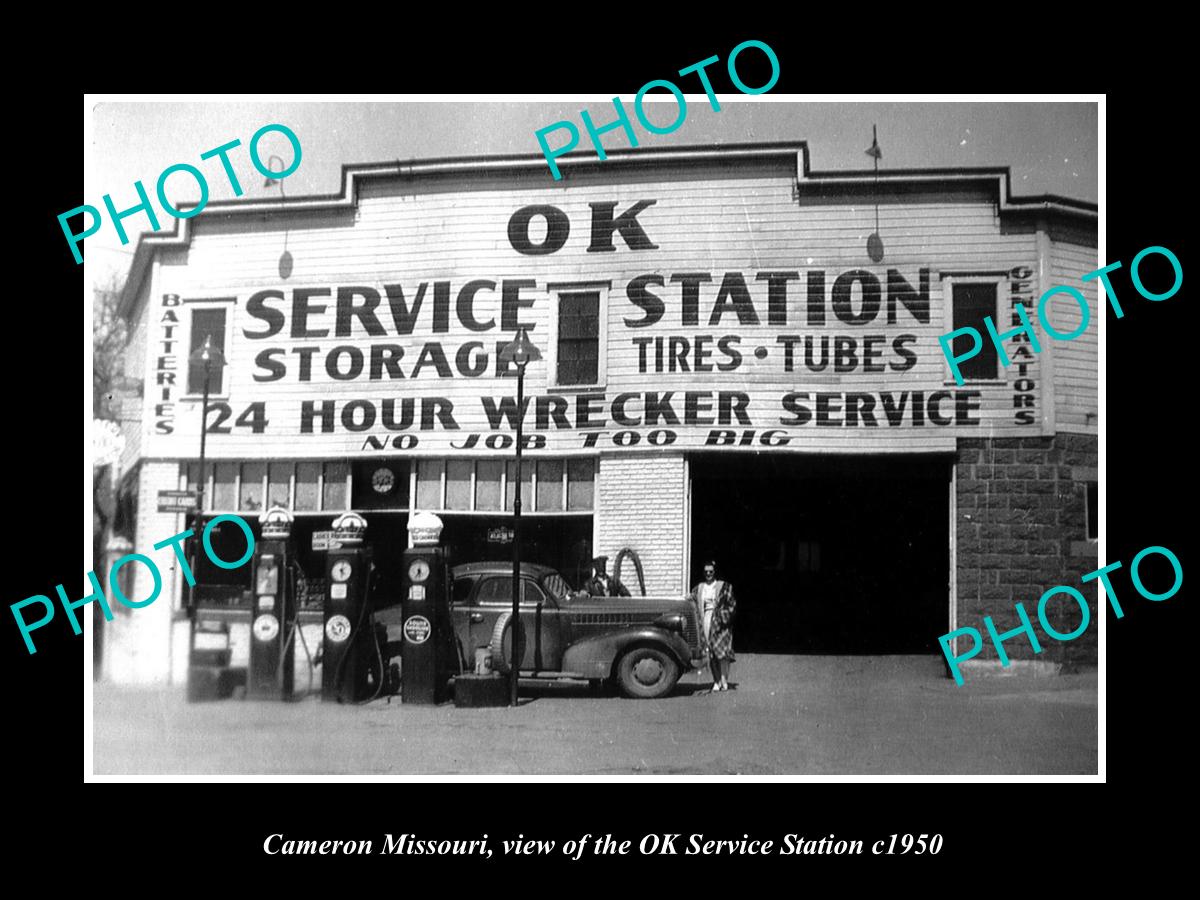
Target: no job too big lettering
(97, 595)
(144, 206)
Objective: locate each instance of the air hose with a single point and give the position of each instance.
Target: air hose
(583, 570)
(294, 625)
(637, 565)
(358, 630)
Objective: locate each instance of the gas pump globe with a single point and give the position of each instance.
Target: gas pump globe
(276, 524)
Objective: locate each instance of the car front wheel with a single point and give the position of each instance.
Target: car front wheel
(647, 672)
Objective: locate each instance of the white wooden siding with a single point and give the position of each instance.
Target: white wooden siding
(1076, 368)
(747, 225)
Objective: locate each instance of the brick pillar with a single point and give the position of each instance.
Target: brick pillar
(139, 644)
(641, 504)
(1021, 530)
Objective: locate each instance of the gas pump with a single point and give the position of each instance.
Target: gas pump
(349, 645)
(428, 654)
(271, 675)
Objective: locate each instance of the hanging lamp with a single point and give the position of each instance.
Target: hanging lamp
(874, 241)
(285, 258)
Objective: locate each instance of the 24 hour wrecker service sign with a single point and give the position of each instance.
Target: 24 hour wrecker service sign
(691, 314)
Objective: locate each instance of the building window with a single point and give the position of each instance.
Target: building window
(223, 494)
(299, 487)
(458, 484)
(253, 475)
(206, 323)
(279, 485)
(808, 558)
(487, 484)
(547, 485)
(550, 485)
(581, 483)
(526, 485)
(336, 486)
(454, 485)
(577, 335)
(1093, 510)
(308, 479)
(429, 483)
(972, 302)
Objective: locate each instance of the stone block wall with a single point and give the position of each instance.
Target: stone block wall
(1021, 530)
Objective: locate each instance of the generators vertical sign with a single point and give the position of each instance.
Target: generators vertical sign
(1021, 292)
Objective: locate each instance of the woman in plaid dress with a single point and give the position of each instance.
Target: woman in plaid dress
(714, 599)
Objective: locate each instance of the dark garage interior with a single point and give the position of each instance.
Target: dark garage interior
(827, 554)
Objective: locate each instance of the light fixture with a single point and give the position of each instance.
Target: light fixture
(874, 241)
(519, 352)
(286, 263)
(209, 356)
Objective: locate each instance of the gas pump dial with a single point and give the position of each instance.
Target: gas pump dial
(341, 570)
(418, 571)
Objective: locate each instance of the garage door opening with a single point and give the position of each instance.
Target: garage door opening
(827, 554)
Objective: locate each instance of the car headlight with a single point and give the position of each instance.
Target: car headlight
(674, 622)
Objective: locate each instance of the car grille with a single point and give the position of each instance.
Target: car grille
(612, 620)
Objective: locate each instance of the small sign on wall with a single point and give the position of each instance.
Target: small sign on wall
(177, 501)
(323, 540)
(500, 535)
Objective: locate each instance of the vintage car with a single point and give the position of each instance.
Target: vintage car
(643, 644)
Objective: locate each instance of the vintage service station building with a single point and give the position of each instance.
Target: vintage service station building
(726, 372)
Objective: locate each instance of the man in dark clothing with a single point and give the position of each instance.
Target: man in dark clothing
(600, 584)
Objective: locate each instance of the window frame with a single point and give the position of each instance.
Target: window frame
(210, 479)
(527, 582)
(530, 471)
(226, 305)
(556, 291)
(1003, 302)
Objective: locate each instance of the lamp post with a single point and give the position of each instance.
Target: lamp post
(209, 356)
(520, 352)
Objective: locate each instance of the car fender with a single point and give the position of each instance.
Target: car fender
(593, 657)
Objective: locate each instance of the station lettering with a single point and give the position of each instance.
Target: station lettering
(356, 314)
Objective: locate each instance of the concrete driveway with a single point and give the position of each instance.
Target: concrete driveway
(790, 715)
